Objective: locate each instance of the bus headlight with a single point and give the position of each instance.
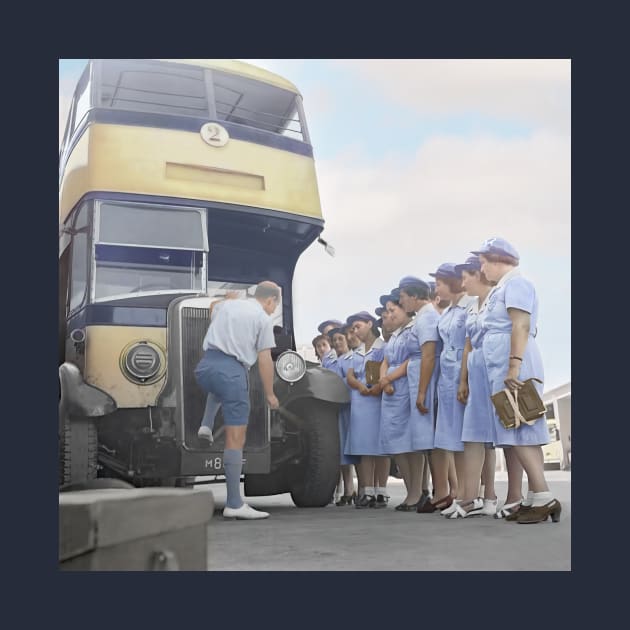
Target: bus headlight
(143, 362)
(290, 366)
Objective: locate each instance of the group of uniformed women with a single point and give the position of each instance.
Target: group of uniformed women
(422, 393)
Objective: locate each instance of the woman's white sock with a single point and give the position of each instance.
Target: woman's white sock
(530, 497)
(541, 498)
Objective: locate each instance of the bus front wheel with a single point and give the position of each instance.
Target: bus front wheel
(313, 479)
(78, 450)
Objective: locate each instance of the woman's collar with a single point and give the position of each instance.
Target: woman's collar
(508, 276)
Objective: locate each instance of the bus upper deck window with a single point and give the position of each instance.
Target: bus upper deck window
(148, 86)
(81, 98)
(257, 104)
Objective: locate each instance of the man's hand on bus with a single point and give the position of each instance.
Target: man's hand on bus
(229, 295)
(272, 401)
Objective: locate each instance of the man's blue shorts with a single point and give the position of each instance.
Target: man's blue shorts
(226, 378)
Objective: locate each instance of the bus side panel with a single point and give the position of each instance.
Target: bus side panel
(76, 178)
(103, 348)
(173, 163)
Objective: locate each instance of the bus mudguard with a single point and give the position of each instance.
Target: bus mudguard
(78, 398)
(318, 383)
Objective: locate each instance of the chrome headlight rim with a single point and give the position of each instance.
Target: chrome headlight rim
(288, 354)
(134, 373)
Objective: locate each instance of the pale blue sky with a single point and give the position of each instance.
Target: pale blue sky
(419, 161)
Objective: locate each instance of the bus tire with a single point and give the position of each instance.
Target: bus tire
(78, 450)
(313, 479)
(259, 485)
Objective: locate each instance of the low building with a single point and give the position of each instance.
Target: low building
(558, 403)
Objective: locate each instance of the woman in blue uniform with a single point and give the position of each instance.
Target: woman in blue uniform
(365, 409)
(512, 356)
(396, 437)
(474, 392)
(340, 364)
(422, 380)
(323, 350)
(450, 414)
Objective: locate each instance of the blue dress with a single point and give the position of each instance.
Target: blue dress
(512, 291)
(479, 413)
(425, 328)
(395, 426)
(340, 366)
(328, 359)
(450, 416)
(365, 411)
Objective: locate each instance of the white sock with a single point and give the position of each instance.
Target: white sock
(369, 490)
(530, 497)
(383, 491)
(541, 498)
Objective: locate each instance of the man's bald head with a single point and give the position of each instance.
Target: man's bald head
(268, 294)
(267, 289)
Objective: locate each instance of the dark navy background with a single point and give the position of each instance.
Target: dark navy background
(38, 594)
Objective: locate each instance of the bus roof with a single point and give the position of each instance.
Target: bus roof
(240, 67)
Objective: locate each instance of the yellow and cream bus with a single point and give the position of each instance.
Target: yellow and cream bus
(180, 180)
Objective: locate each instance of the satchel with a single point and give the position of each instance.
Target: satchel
(523, 406)
(372, 372)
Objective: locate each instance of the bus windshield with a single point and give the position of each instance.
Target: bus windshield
(141, 249)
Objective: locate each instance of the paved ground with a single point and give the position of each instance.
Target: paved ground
(347, 539)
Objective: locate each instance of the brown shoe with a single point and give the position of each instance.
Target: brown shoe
(540, 513)
(520, 509)
(429, 507)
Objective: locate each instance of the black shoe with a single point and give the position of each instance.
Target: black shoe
(365, 500)
(381, 501)
(423, 499)
(346, 499)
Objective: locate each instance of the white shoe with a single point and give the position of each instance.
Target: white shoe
(205, 433)
(245, 512)
(451, 508)
(508, 509)
(489, 507)
(460, 512)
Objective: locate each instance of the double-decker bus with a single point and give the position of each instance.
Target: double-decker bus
(180, 180)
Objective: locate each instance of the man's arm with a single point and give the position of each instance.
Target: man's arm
(229, 295)
(265, 367)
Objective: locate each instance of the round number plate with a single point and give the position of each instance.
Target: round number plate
(214, 134)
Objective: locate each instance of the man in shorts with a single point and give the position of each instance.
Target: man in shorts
(240, 334)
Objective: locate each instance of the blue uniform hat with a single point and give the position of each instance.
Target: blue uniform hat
(411, 281)
(472, 264)
(416, 283)
(379, 311)
(323, 325)
(498, 246)
(394, 296)
(334, 331)
(446, 270)
(361, 316)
